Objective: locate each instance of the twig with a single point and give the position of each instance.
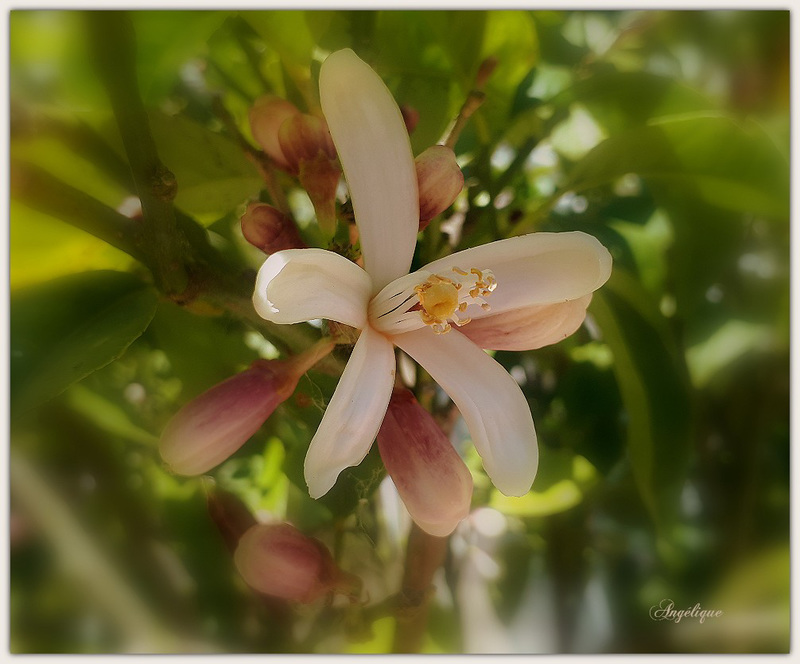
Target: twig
(113, 43)
(424, 555)
(471, 104)
(41, 191)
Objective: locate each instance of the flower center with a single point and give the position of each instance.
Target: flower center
(438, 301)
(443, 299)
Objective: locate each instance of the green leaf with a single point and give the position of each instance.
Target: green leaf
(654, 388)
(166, 41)
(42, 247)
(285, 32)
(64, 330)
(619, 100)
(213, 173)
(563, 480)
(732, 165)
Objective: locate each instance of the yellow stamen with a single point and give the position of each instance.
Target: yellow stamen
(442, 299)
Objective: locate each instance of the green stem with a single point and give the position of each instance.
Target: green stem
(114, 46)
(424, 555)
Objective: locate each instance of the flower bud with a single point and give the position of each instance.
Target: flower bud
(304, 137)
(309, 150)
(266, 117)
(440, 180)
(432, 480)
(210, 428)
(278, 560)
(269, 229)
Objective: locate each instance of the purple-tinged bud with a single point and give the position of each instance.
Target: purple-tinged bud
(279, 560)
(266, 117)
(211, 427)
(305, 137)
(269, 229)
(410, 117)
(308, 146)
(432, 480)
(440, 180)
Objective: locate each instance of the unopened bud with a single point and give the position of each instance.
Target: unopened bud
(266, 117)
(440, 181)
(433, 482)
(269, 229)
(308, 146)
(279, 560)
(305, 137)
(410, 117)
(210, 428)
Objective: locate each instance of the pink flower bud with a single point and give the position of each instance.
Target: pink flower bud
(210, 428)
(305, 137)
(440, 181)
(266, 117)
(310, 152)
(269, 229)
(410, 117)
(432, 480)
(278, 560)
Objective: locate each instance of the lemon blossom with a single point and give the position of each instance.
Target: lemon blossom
(519, 293)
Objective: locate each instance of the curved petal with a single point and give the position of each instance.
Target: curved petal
(528, 328)
(534, 269)
(354, 413)
(297, 285)
(373, 145)
(490, 401)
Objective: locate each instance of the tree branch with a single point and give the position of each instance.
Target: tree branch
(114, 45)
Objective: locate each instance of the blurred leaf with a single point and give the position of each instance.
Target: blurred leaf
(285, 32)
(166, 41)
(732, 340)
(755, 601)
(511, 38)
(42, 247)
(107, 416)
(186, 338)
(419, 77)
(561, 484)
(734, 166)
(621, 99)
(654, 390)
(213, 173)
(64, 330)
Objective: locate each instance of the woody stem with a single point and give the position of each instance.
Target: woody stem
(424, 555)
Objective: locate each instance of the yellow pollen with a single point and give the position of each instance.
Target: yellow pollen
(443, 301)
(439, 300)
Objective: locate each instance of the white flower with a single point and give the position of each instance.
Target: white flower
(514, 294)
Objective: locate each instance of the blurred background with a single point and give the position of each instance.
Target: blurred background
(663, 422)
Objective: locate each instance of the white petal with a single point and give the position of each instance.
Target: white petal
(534, 269)
(490, 401)
(354, 413)
(528, 328)
(374, 148)
(298, 285)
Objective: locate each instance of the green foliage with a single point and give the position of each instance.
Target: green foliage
(64, 330)
(663, 421)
